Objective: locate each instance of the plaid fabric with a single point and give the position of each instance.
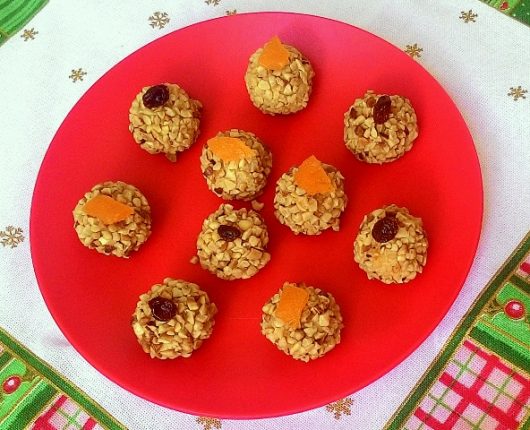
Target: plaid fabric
(44, 400)
(64, 414)
(518, 9)
(476, 390)
(524, 268)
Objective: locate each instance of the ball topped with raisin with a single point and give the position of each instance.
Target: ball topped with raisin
(173, 319)
(391, 245)
(233, 243)
(380, 128)
(164, 119)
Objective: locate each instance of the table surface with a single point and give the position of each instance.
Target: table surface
(478, 55)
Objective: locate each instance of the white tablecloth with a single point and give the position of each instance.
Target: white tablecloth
(479, 62)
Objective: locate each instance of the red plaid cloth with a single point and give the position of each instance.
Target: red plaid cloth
(64, 414)
(477, 390)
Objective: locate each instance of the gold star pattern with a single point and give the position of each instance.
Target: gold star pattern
(209, 423)
(230, 12)
(29, 34)
(11, 236)
(340, 407)
(468, 16)
(517, 93)
(158, 20)
(77, 75)
(413, 50)
(212, 2)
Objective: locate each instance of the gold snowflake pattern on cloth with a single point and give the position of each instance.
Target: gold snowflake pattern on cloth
(29, 34)
(413, 50)
(77, 75)
(209, 423)
(340, 407)
(468, 16)
(11, 237)
(230, 12)
(212, 2)
(517, 93)
(158, 20)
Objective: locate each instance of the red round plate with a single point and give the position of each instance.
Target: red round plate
(237, 373)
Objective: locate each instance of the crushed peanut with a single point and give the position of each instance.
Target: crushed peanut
(257, 206)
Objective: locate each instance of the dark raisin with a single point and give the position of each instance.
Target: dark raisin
(228, 232)
(218, 190)
(163, 309)
(208, 171)
(385, 229)
(155, 96)
(382, 109)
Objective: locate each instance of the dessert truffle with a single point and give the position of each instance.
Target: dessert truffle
(173, 319)
(379, 128)
(114, 218)
(164, 119)
(391, 245)
(232, 243)
(310, 198)
(279, 78)
(302, 321)
(236, 165)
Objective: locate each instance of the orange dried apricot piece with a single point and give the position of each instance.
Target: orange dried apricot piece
(230, 148)
(107, 209)
(274, 56)
(292, 302)
(312, 177)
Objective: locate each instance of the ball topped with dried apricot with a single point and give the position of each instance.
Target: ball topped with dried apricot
(302, 321)
(114, 218)
(279, 79)
(310, 198)
(236, 164)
